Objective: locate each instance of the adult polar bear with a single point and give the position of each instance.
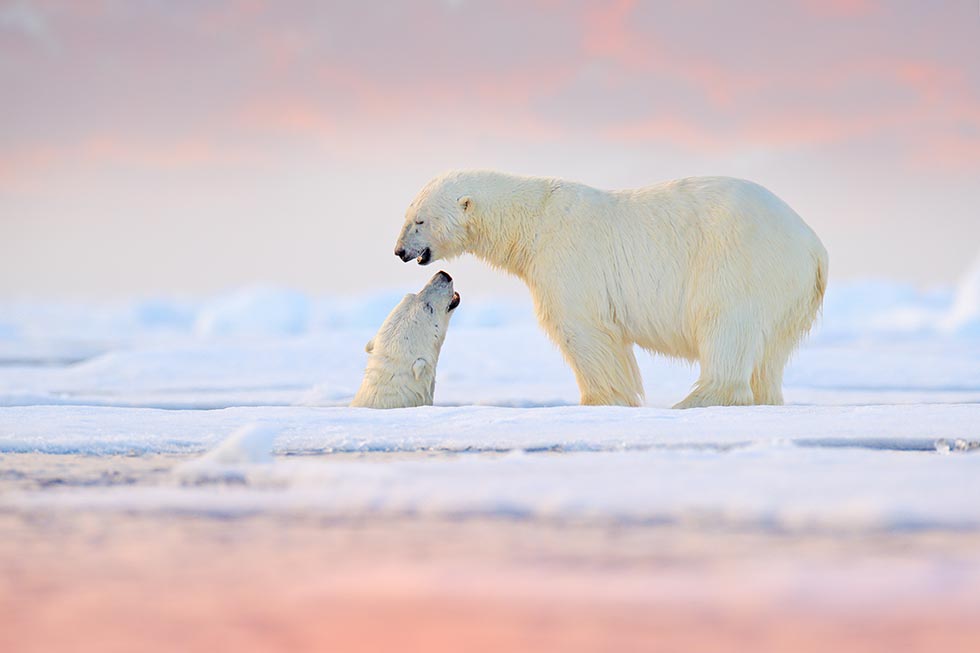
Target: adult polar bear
(712, 269)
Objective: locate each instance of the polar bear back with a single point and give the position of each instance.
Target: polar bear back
(662, 261)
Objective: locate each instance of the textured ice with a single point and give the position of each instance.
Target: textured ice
(772, 486)
(95, 430)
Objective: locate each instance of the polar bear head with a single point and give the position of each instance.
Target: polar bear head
(401, 367)
(436, 221)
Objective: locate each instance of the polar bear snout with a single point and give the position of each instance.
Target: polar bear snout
(413, 243)
(424, 257)
(440, 289)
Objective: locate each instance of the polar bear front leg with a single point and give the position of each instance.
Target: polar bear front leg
(604, 365)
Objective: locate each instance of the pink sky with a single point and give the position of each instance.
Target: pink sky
(186, 147)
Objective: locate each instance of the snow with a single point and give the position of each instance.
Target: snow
(250, 444)
(262, 310)
(746, 487)
(91, 430)
(244, 395)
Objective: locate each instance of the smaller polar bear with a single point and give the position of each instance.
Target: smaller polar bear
(401, 369)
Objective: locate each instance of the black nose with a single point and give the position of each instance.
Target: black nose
(445, 276)
(400, 253)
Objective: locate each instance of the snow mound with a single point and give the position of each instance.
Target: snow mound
(964, 315)
(257, 311)
(249, 445)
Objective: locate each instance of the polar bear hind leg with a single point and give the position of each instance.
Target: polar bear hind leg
(781, 341)
(767, 377)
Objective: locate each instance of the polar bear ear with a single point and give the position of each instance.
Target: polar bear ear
(465, 202)
(369, 347)
(418, 368)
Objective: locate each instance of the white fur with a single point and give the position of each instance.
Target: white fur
(401, 368)
(712, 269)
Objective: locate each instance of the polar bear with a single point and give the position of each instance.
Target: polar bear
(709, 269)
(402, 357)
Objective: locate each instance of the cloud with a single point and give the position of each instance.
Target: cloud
(25, 19)
(841, 8)
(704, 77)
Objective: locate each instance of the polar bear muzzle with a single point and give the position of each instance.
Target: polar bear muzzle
(442, 279)
(424, 257)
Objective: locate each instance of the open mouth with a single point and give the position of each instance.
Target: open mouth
(425, 256)
(454, 302)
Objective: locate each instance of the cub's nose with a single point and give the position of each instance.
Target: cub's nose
(400, 253)
(445, 276)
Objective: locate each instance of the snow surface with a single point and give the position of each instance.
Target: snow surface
(881, 430)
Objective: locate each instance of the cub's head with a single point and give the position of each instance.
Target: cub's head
(414, 331)
(435, 223)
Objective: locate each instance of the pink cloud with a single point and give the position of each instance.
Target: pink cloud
(31, 167)
(605, 30)
(703, 77)
(841, 8)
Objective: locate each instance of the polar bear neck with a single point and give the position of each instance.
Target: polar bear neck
(389, 383)
(508, 211)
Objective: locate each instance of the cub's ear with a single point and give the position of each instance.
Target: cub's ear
(418, 368)
(369, 347)
(465, 202)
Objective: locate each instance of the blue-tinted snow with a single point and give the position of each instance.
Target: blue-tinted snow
(880, 431)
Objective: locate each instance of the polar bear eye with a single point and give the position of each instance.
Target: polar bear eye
(420, 222)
